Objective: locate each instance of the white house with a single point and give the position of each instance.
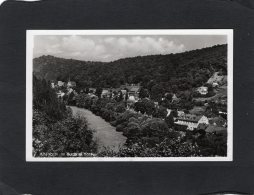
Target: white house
(60, 83)
(60, 94)
(203, 120)
(105, 93)
(69, 90)
(124, 91)
(215, 84)
(168, 112)
(92, 90)
(180, 113)
(191, 121)
(202, 90)
(53, 85)
(132, 98)
(71, 84)
(174, 98)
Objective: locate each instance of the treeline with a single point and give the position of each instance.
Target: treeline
(169, 73)
(55, 131)
(150, 132)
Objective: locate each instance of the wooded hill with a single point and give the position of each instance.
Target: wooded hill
(181, 71)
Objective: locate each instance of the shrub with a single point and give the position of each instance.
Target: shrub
(69, 135)
(154, 127)
(120, 108)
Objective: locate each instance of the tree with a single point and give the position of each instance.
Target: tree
(120, 96)
(168, 97)
(143, 93)
(98, 92)
(126, 96)
(70, 135)
(145, 106)
(120, 108)
(170, 120)
(154, 128)
(71, 99)
(157, 92)
(160, 112)
(45, 100)
(180, 71)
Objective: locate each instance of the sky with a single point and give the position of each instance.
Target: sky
(108, 48)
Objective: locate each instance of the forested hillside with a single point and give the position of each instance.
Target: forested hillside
(175, 72)
(55, 131)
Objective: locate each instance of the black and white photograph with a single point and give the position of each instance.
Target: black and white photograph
(129, 95)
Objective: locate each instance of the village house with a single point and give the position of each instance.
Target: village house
(118, 92)
(91, 95)
(71, 84)
(92, 90)
(132, 99)
(134, 91)
(114, 92)
(180, 113)
(60, 84)
(124, 91)
(215, 84)
(191, 121)
(105, 93)
(53, 84)
(69, 90)
(156, 104)
(202, 90)
(60, 94)
(175, 98)
(168, 112)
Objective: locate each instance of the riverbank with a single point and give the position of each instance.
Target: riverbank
(104, 134)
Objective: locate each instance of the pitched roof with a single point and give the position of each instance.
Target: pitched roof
(105, 91)
(174, 96)
(134, 89)
(189, 117)
(72, 82)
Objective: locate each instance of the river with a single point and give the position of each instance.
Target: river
(104, 134)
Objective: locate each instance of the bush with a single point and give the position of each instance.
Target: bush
(120, 108)
(151, 147)
(154, 127)
(120, 127)
(69, 135)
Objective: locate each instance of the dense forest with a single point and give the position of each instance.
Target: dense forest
(173, 72)
(153, 134)
(57, 133)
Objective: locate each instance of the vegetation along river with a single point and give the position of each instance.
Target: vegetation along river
(104, 133)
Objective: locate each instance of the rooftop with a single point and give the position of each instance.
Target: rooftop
(189, 117)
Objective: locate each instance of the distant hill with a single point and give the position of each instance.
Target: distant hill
(174, 71)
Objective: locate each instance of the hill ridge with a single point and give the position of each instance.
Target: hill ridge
(188, 68)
